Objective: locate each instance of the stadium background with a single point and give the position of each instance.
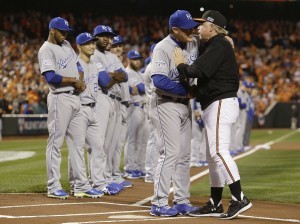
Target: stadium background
(266, 36)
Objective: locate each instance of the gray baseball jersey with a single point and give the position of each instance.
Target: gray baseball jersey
(172, 126)
(109, 112)
(64, 116)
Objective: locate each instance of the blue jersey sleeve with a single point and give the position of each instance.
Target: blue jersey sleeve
(164, 83)
(53, 78)
(103, 79)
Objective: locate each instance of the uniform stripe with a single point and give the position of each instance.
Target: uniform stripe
(54, 137)
(217, 141)
(165, 152)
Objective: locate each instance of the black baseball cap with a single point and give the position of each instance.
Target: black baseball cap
(214, 17)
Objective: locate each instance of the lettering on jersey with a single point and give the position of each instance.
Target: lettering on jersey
(193, 56)
(174, 74)
(47, 63)
(63, 62)
(161, 64)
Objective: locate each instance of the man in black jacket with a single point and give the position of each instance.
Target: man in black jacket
(217, 76)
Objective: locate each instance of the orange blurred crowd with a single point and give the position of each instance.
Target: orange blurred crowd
(267, 52)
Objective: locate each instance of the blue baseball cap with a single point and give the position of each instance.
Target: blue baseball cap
(133, 55)
(84, 38)
(102, 29)
(60, 24)
(118, 40)
(182, 19)
(152, 47)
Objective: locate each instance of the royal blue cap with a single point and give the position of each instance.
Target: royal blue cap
(84, 38)
(248, 84)
(101, 29)
(152, 47)
(182, 19)
(118, 40)
(60, 24)
(133, 55)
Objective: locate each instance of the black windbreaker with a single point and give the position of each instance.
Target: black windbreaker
(216, 69)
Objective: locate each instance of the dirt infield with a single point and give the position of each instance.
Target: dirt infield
(37, 208)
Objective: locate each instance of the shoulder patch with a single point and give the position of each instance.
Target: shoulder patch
(47, 63)
(161, 64)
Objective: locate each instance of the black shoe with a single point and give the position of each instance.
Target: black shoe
(208, 210)
(236, 208)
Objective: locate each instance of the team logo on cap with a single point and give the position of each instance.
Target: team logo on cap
(210, 19)
(188, 16)
(66, 23)
(88, 35)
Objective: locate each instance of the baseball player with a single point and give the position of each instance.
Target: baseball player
(117, 49)
(93, 76)
(138, 132)
(58, 64)
(152, 148)
(171, 117)
(217, 85)
(198, 141)
(250, 114)
(109, 101)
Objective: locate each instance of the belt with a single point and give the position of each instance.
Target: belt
(125, 103)
(113, 96)
(141, 105)
(184, 101)
(71, 92)
(89, 105)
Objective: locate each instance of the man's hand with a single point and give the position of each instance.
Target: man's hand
(79, 86)
(134, 90)
(178, 57)
(119, 76)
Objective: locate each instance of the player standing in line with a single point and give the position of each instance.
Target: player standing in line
(138, 132)
(58, 64)
(93, 76)
(198, 141)
(250, 115)
(108, 103)
(152, 148)
(171, 117)
(117, 49)
(217, 85)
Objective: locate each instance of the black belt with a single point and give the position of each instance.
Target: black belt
(125, 103)
(141, 105)
(112, 96)
(89, 105)
(71, 92)
(184, 101)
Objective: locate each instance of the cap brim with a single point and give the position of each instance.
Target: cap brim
(199, 19)
(190, 25)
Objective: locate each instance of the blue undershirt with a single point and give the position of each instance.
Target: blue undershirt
(53, 78)
(162, 82)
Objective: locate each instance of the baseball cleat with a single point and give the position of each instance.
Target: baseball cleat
(133, 174)
(93, 193)
(236, 208)
(60, 194)
(126, 184)
(165, 211)
(208, 210)
(149, 180)
(185, 208)
(118, 186)
(110, 190)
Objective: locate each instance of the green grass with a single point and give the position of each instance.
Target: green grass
(269, 175)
